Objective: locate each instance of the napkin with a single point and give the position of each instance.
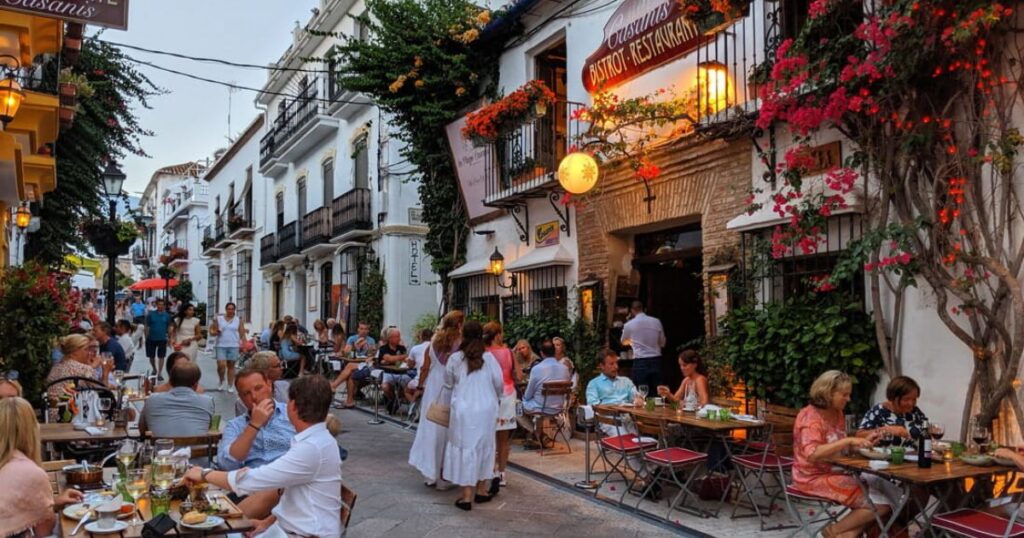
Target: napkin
(93, 430)
(746, 418)
(703, 411)
(588, 412)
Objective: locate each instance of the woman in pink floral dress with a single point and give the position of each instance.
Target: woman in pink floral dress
(818, 434)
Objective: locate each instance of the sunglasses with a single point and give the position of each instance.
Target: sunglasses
(9, 375)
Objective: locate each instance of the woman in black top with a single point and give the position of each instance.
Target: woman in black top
(898, 415)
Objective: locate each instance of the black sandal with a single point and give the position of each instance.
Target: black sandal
(464, 505)
(495, 486)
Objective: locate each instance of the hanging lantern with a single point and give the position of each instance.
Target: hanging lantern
(714, 86)
(22, 217)
(497, 263)
(578, 172)
(11, 97)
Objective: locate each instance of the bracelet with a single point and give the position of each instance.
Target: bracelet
(255, 427)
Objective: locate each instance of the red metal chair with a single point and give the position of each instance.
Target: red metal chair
(671, 465)
(760, 470)
(616, 445)
(829, 511)
(978, 524)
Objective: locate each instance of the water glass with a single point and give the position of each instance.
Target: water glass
(649, 405)
(957, 448)
(896, 454)
(164, 447)
(215, 423)
(160, 502)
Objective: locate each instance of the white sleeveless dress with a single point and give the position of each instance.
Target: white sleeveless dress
(427, 452)
(469, 454)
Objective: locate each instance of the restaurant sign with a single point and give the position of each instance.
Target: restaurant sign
(640, 36)
(109, 13)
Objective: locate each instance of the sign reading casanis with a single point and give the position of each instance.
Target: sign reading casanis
(640, 36)
(109, 13)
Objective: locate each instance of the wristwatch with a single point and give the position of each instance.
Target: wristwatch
(206, 471)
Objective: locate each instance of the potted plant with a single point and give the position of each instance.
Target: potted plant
(235, 221)
(207, 242)
(711, 16)
(528, 102)
(110, 238)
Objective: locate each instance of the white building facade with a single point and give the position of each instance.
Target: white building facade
(337, 194)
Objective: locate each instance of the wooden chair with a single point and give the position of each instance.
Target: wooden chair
(551, 390)
(53, 470)
(348, 503)
(202, 445)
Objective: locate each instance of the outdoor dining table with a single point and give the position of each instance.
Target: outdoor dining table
(945, 481)
(717, 430)
(230, 525)
(66, 433)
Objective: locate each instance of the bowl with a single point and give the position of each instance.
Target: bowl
(874, 453)
(980, 460)
(82, 474)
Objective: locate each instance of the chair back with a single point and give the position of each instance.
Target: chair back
(53, 470)
(348, 503)
(557, 393)
(781, 419)
(646, 427)
(202, 445)
(608, 418)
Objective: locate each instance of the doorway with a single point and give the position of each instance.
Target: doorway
(326, 285)
(278, 296)
(670, 264)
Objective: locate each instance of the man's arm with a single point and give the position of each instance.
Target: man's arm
(531, 386)
(627, 334)
(296, 467)
(232, 434)
(661, 335)
(592, 398)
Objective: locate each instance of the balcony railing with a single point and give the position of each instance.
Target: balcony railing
(288, 240)
(294, 115)
(526, 158)
(316, 227)
(268, 249)
(351, 211)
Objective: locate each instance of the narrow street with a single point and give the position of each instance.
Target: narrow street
(394, 502)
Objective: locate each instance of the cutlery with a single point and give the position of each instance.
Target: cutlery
(81, 522)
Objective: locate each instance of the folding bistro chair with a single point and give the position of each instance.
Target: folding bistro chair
(668, 465)
(828, 511)
(979, 524)
(551, 391)
(616, 446)
(201, 445)
(760, 469)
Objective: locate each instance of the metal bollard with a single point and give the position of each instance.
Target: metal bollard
(588, 426)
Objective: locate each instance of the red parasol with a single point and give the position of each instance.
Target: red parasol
(154, 284)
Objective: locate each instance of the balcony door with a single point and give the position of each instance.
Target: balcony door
(550, 136)
(328, 173)
(326, 286)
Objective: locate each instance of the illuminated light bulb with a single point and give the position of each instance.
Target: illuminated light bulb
(578, 172)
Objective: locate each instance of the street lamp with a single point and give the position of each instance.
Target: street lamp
(22, 217)
(497, 267)
(113, 180)
(11, 94)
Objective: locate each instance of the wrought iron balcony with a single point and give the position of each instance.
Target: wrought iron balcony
(300, 123)
(316, 228)
(239, 221)
(289, 241)
(523, 162)
(268, 249)
(351, 211)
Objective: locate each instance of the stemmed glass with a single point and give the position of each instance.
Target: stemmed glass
(642, 392)
(979, 434)
(126, 453)
(936, 430)
(137, 486)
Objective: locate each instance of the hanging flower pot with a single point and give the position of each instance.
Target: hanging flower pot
(107, 238)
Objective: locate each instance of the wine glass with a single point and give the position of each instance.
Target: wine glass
(936, 430)
(118, 378)
(979, 434)
(126, 453)
(164, 473)
(137, 485)
(642, 392)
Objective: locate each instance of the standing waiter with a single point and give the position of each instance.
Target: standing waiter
(646, 336)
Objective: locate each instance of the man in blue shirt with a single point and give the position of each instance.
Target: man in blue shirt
(256, 438)
(549, 369)
(608, 388)
(103, 333)
(361, 344)
(158, 323)
(138, 311)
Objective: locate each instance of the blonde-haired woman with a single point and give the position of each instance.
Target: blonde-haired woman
(26, 501)
(81, 358)
(427, 453)
(819, 434)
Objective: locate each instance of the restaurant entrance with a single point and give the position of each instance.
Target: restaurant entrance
(670, 264)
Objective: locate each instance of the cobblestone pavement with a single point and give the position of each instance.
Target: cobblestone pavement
(394, 502)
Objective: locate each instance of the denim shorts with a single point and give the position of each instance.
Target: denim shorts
(227, 354)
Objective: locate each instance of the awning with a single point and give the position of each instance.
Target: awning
(540, 257)
(476, 266)
(766, 217)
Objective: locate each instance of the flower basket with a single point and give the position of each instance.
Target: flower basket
(235, 221)
(528, 102)
(711, 16)
(104, 238)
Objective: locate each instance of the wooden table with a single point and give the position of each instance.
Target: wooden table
(235, 525)
(943, 480)
(66, 433)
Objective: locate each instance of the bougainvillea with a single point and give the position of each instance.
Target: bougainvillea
(486, 124)
(923, 91)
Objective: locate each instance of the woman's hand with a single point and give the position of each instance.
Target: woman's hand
(898, 431)
(664, 391)
(68, 496)
(859, 442)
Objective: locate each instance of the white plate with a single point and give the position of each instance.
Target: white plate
(95, 528)
(211, 522)
(71, 511)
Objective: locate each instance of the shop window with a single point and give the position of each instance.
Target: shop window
(538, 291)
(476, 294)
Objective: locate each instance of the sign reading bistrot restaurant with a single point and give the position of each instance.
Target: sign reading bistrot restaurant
(109, 13)
(640, 36)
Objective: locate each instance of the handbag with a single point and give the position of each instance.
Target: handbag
(439, 414)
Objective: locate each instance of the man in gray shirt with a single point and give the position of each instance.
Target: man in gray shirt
(549, 369)
(180, 412)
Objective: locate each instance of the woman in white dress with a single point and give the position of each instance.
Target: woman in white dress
(477, 385)
(186, 332)
(427, 452)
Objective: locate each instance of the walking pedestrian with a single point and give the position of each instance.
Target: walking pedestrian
(427, 453)
(157, 324)
(186, 331)
(230, 333)
(476, 381)
(510, 375)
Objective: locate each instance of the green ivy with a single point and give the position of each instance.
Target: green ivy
(535, 328)
(420, 67)
(779, 348)
(371, 297)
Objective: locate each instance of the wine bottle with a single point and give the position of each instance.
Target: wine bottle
(924, 448)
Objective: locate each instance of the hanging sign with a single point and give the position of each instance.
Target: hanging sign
(546, 234)
(640, 36)
(109, 13)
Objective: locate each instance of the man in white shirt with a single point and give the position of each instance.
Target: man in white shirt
(124, 331)
(646, 336)
(309, 473)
